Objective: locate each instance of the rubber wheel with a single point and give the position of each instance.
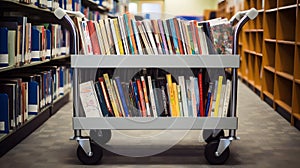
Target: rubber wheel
(208, 135)
(90, 160)
(210, 150)
(101, 137)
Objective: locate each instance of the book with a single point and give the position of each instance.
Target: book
(13, 41)
(4, 114)
(176, 111)
(209, 98)
(201, 103)
(89, 100)
(157, 36)
(168, 37)
(122, 96)
(101, 99)
(4, 47)
(123, 35)
(152, 96)
(105, 36)
(219, 89)
(131, 33)
(111, 94)
(226, 98)
(87, 38)
(94, 37)
(118, 98)
(178, 33)
(137, 37)
(174, 36)
(10, 89)
(171, 95)
(106, 96)
(36, 44)
(149, 30)
(185, 111)
(114, 38)
(141, 98)
(128, 33)
(136, 99)
(144, 39)
(100, 38)
(144, 87)
(165, 49)
(118, 36)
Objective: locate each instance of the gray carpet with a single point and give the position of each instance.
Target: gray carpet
(267, 140)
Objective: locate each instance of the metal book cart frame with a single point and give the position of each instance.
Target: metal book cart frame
(217, 148)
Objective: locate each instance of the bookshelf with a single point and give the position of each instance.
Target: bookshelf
(271, 46)
(36, 16)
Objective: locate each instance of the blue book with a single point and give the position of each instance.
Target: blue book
(4, 47)
(196, 86)
(33, 98)
(4, 113)
(137, 102)
(48, 38)
(174, 36)
(101, 99)
(35, 44)
(10, 90)
(61, 81)
(125, 107)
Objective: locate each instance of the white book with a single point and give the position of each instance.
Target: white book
(115, 40)
(149, 31)
(87, 39)
(222, 97)
(203, 43)
(144, 88)
(193, 96)
(104, 36)
(99, 37)
(226, 98)
(183, 96)
(151, 94)
(109, 36)
(89, 100)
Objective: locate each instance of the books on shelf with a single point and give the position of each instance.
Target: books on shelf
(126, 36)
(154, 96)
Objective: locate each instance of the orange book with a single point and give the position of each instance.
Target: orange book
(141, 97)
(171, 95)
(94, 38)
(197, 36)
(131, 33)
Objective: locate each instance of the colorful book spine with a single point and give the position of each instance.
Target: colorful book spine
(209, 95)
(106, 97)
(201, 105)
(122, 96)
(128, 37)
(183, 96)
(111, 96)
(137, 100)
(141, 98)
(101, 99)
(118, 97)
(216, 112)
(152, 97)
(174, 36)
(4, 47)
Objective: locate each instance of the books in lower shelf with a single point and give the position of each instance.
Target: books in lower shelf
(150, 96)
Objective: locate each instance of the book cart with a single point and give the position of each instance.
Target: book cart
(217, 148)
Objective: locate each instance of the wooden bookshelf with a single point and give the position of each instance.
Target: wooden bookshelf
(277, 50)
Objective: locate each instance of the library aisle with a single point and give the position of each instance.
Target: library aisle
(267, 140)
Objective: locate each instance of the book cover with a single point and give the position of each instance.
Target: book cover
(168, 37)
(106, 96)
(141, 98)
(198, 42)
(111, 96)
(123, 35)
(152, 96)
(181, 82)
(118, 98)
(178, 35)
(157, 36)
(105, 36)
(209, 98)
(219, 89)
(149, 31)
(144, 87)
(128, 33)
(180, 101)
(171, 96)
(101, 99)
(193, 96)
(10, 90)
(122, 96)
(36, 44)
(110, 39)
(100, 38)
(201, 103)
(174, 36)
(137, 100)
(137, 37)
(118, 36)
(197, 96)
(4, 47)
(226, 98)
(89, 100)
(13, 41)
(165, 49)
(87, 38)
(189, 98)
(176, 111)
(115, 42)
(48, 37)
(4, 114)
(94, 37)
(131, 33)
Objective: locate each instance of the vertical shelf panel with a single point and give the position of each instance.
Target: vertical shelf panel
(285, 58)
(259, 42)
(259, 4)
(243, 66)
(282, 3)
(283, 89)
(268, 85)
(286, 24)
(246, 41)
(298, 25)
(270, 4)
(296, 65)
(251, 66)
(259, 20)
(258, 72)
(270, 25)
(296, 98)
(253, 3)
(269, 54)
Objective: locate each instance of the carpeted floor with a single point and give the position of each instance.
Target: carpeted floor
(267, 140)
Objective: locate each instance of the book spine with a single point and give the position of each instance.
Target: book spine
(216, 112)
(183, 96)
(4, 47)
(209, 95)
(122, 96)
(152, 97)
(118, 98)
(111, 96)
(146, 96)
(227, 98)
(201, 105)
(141, 98)
(106, 97)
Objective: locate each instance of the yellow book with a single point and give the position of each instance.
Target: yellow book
(120, 44)
(110, 94)
(216, 113)
(176, 110)
(171, 95)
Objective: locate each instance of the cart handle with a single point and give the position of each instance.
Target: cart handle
(251, 14)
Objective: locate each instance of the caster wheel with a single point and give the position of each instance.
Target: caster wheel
(208, 135)
(101, 137)
(96, 156)
(210, 153)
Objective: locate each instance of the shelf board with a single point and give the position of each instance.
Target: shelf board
(251, 82)
(260, 30)
(268, 94)
(258, 87)
(152, 123)
(286, 42)
(250, 52)
(259, 54)
(260, 10)
(252, 30)
(287, 7)
(271, 40)
(284, 105)
(269, 68)
(271, 10)
(285, 75)
(297, 81)
(297, 115)
(153, 61)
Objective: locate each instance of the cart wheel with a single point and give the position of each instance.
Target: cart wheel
(101, 137)
(210, 153)
(97, 153)
(208, 135)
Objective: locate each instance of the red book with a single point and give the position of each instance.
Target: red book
(141, 96)
(201, 105)
(94, 37)
(197, 36)
(105, 94)
(178, 34)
